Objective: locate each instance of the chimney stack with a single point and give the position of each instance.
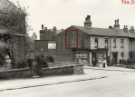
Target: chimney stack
(87, 22)
(42, 27)
(116, 23)
(45, 28)
(110, 27)
(132, 30)
(125, 29)
(54, 29)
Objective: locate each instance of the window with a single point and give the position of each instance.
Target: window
(114, 43)
(96, 42)
(122, 43)
(106, 43)
(73, 38)
(131, 54)
(122, 54)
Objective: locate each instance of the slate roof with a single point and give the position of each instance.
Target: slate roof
(105, 32)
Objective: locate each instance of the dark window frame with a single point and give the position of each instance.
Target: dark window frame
(122, 54)
(106, 43)
(114, 43)
(122, 43)
(96, 42)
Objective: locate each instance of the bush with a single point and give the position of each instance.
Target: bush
(21, 64)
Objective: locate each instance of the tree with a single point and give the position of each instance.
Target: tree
(34, 36)
(14, 21)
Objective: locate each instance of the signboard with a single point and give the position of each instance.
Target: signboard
(51, 45)
(81, 55)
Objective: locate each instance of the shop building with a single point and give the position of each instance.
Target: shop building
(87, 44)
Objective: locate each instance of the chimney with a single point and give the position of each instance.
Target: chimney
(110, 27)
(45, 28)
(87, 22)
(132, 30)
(125, 29)
(54, 29)
(42, 27)
(116, 23)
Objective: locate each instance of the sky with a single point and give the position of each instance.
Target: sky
(64, 13)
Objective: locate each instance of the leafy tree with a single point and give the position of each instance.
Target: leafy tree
(14, 20)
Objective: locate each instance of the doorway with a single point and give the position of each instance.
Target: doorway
(114, 58)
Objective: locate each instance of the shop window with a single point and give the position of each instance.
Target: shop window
(131, 54)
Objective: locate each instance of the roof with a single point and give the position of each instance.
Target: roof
(105, 32)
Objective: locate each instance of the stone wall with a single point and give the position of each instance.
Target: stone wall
(57, 70)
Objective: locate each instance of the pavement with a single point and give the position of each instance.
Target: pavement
(90, 73)
(111, 68)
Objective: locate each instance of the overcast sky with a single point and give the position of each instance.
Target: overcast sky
(63, 13)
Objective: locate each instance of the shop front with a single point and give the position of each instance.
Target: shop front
(81, 56)
(99, 57)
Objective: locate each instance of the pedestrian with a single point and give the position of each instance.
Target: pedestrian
(7, 61)
(104, 63)
(30, 61)
(34, 69)
(40, 62)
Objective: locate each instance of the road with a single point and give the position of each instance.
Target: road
(116, 84)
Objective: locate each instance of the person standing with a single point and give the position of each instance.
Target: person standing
(7, 62)
(40, 62)
(30, 60)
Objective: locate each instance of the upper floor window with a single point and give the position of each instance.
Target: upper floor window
(114, 43)
(122, 43)
(73, 39)
(106, 42)
(96, 42)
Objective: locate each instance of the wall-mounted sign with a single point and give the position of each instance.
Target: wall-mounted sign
(81, 55)
(51, 45)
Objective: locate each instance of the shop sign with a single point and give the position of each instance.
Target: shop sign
(81, 56)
